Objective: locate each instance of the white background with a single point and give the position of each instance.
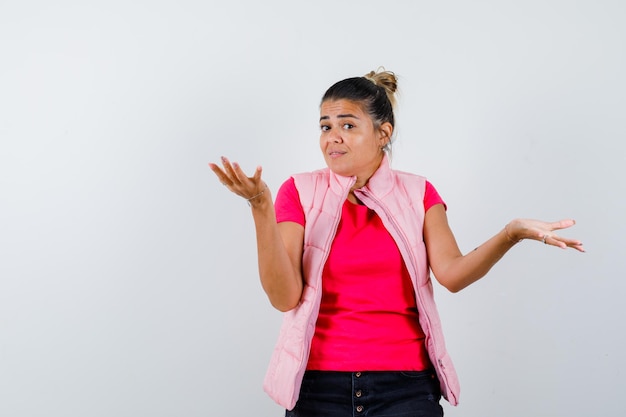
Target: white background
(128, 283)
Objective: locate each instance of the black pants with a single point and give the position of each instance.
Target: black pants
(371, 394)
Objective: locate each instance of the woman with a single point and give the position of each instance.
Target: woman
(346, 252)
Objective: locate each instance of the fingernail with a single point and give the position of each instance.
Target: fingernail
(223, 159)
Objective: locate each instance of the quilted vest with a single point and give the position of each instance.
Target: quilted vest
(398, 199)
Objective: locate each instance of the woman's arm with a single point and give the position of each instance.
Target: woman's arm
(279, 246)
(456, 271)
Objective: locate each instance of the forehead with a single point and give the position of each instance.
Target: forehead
(334, 108)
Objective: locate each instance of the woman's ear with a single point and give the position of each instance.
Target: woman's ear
(386, 130)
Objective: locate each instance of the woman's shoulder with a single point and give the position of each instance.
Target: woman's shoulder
(408, 175)
(429, 191)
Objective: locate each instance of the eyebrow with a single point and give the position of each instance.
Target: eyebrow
(339, 116)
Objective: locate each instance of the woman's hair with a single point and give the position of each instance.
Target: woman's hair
(375, 91)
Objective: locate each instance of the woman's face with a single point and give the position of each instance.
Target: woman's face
(351, 144)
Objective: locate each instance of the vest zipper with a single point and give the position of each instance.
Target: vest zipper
(404, 241)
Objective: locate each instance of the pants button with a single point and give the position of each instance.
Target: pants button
(358, 393)
(359, 408)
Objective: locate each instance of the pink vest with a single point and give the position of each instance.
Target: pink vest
(397, 198)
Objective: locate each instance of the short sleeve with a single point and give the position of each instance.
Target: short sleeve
(432, 197)
(287, 205)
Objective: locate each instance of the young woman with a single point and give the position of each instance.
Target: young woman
(346, 252)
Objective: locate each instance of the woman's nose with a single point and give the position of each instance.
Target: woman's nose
(335, 137)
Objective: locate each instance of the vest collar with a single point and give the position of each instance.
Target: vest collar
(380, 184)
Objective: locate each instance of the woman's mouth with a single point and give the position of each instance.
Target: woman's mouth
(335, 154)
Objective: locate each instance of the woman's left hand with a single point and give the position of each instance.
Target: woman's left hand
(519, 229)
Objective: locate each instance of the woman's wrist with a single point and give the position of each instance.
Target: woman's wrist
(511, 238)
(259, 200)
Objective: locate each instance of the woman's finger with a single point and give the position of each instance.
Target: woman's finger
(553, 240)
(257, 174)
(241, 176)
(230, 172)
(563, 242)
(562, 224)
(572, 243)
(244, 179)
(224, 176)
(221, 175)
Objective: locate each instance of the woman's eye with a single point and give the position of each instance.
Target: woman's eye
(324, 128)
(348, 126)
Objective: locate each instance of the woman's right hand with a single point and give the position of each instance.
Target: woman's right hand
(279, 246)
(233, 177)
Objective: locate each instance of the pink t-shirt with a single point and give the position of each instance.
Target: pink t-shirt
(368, 317)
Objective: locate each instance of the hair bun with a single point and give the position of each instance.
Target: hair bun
(386, 80)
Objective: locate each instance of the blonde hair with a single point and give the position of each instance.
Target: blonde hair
(386, 80)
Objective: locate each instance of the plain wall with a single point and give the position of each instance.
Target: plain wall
(128, 282)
